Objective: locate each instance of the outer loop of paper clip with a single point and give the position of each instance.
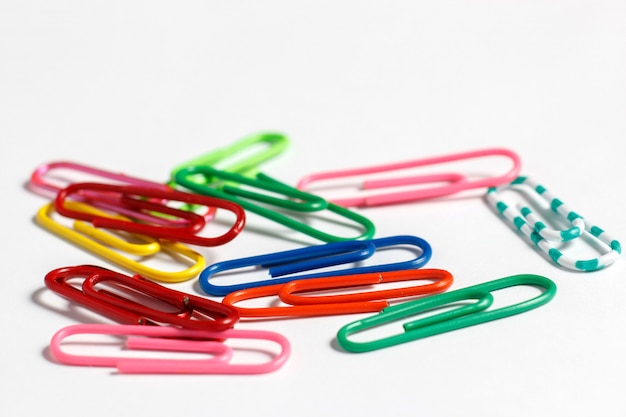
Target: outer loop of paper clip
(464, 315)
(281, 264)
(454, 182)
(551, 241)
(172, 339)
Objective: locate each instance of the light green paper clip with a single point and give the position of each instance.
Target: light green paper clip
(464, 316)
(272, 144)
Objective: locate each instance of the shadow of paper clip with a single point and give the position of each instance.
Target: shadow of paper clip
(552, 241)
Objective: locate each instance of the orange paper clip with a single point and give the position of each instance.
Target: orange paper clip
(347, 303)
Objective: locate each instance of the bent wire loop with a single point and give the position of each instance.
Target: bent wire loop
(164, 338)
(346, 303)
(273, 144)
(296, 202)
(109, 246)
(135, 300)
(454, 182)
(40, 185)
(130, 197)
(464, 315)
(548, 240)
(281, 264)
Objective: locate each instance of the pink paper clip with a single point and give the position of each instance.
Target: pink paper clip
(453, 182)
(41, 185)
(174, 340)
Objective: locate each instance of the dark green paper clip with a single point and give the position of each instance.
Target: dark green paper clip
(464, 316)
(227, 185)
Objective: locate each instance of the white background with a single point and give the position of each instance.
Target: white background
(141, 86)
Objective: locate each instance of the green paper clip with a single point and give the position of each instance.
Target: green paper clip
(464, 316)
(295, 200)
(272, 145)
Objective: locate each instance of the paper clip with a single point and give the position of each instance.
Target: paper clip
(281, 264)
(454, 182)
(129, 196)
(275, 143)
(171, 339)
(467, 314)
(94, 240)
(548, 240)
(122, 305)
(358, 302)
(40, 185)
(306, 202)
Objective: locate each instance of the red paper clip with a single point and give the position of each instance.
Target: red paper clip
(130, 196)
(185, 310)
(358, 302)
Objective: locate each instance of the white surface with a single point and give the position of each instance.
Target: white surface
(141, 86)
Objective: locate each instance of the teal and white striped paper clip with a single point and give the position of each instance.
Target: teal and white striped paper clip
(553, 241)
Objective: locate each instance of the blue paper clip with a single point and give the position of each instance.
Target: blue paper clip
(550, 240)
(280, 264)
(465, 315)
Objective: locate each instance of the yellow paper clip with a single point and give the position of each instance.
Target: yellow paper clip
(94, 240)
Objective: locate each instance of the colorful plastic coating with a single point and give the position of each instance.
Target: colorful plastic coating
(227, 186)
(171, 339)
(281, 264)
(345, 303)
(271, 144)
(108, 246)
(40, 185)
(130, 196)
(465, 315)
(185, 310)
(38, 181)
(522, 218)
(455, 182)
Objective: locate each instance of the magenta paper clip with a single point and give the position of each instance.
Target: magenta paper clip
(172, 339)
(450, 182)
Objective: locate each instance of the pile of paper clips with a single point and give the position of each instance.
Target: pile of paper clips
(126, 220)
